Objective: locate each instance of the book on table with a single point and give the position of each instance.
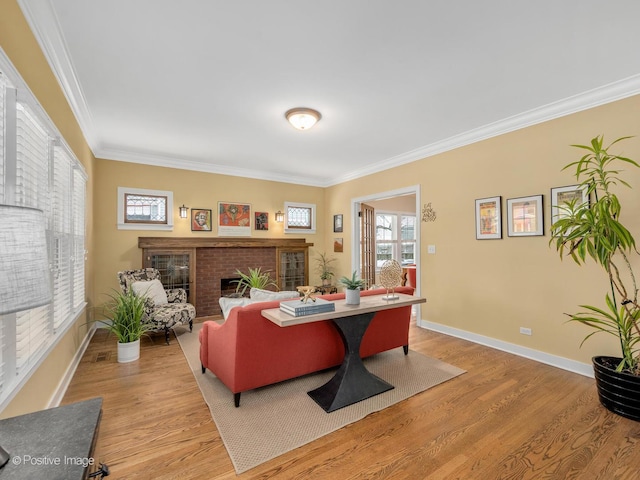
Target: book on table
(298, 308)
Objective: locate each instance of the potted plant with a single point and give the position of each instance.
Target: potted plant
(353, 286)
(256, 278)
(126, 314)
(594, 230)
(324, 268)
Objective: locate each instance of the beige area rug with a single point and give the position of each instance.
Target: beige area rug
(278, 418)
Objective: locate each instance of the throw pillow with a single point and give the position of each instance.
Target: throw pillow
(152, 289)
(227, 303)
(267, 295)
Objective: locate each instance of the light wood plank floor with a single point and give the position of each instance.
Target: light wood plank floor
(506, 418)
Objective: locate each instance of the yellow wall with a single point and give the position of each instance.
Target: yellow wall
(22, 49)
(493, 287)
(119, 248)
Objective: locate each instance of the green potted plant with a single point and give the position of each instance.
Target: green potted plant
(594, 230)
(126, 314)
(324, 268)
(256, 278)
(353, 286)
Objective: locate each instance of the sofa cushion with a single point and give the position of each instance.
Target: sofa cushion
(227, 303)
(260, 295)
(151, 289)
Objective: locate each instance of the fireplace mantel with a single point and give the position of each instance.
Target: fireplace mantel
(219, 242)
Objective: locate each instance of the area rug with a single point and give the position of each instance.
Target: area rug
(278, 418)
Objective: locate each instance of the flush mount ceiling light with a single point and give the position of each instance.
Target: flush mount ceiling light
(302, 118)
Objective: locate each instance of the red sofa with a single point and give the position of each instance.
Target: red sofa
(248, 351)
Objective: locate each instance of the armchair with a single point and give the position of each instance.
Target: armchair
(164, 315)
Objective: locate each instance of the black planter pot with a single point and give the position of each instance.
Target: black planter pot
(618, 392)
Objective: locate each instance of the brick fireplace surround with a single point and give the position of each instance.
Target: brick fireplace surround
(216, 259)
(215, 264)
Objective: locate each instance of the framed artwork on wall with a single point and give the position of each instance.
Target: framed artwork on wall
(337, 245)
(261, 221)
(525, 217)
(337, 223)
(200, 220)
(563, 197)
(234, 219)
(489, 218)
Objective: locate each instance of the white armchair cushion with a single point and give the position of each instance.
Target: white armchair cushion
(152, 289)
(267, 295)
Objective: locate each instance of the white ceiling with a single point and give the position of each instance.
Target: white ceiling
(204, 84)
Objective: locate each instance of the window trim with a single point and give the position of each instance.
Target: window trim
(288, 229)
(144, 225)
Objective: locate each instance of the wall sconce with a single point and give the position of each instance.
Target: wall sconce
(279, 216)
(183, 211)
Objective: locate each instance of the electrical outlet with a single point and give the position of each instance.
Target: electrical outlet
(525, 331)
(431, 249)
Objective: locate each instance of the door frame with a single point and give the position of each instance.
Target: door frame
(355, 230)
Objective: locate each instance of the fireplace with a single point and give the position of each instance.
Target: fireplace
(214, 263)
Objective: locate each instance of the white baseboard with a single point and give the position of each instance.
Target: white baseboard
(542, 357)
(56, 398)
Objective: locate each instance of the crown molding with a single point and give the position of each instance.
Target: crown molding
(612, 92)
(198, 165)
(44, 24)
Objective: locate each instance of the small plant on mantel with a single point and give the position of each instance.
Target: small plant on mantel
(256, 278)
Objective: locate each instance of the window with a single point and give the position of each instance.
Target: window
(395, 238)
(140, 209)
(300, 217)
(38, 170)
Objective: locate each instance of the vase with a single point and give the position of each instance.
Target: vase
(618, 392)
(352, 297)
(128, 352)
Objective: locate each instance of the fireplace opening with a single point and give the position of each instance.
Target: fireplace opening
(228, 287)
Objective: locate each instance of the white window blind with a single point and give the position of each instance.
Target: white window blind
(37, 169)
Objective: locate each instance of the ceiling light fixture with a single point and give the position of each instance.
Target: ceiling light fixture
(302, 118)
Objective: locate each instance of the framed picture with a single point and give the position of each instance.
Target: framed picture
(261, 221)
(337, 223)
(489, 218)
(562, 197)
(337, 245)
(200, 220)
(234, 219)
(525, 217)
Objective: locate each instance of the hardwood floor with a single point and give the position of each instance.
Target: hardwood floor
(506, 418)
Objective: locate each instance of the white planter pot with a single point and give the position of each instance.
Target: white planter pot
(128, 352)
(352, 297)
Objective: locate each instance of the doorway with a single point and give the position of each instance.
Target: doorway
(409, 198)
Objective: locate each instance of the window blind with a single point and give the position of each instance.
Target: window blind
(37, 169)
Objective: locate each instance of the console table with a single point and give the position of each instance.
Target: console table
(54, 443)
(352, 382)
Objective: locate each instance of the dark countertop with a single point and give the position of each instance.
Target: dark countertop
(56, 443)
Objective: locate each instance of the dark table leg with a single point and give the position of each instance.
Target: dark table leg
(352, 382)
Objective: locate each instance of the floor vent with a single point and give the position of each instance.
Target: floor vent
(102, 356)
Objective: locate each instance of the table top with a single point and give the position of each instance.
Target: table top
(369, 303)
(55, 443)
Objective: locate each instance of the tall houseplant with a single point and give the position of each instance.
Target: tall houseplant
(126, 314)
(593, 230)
